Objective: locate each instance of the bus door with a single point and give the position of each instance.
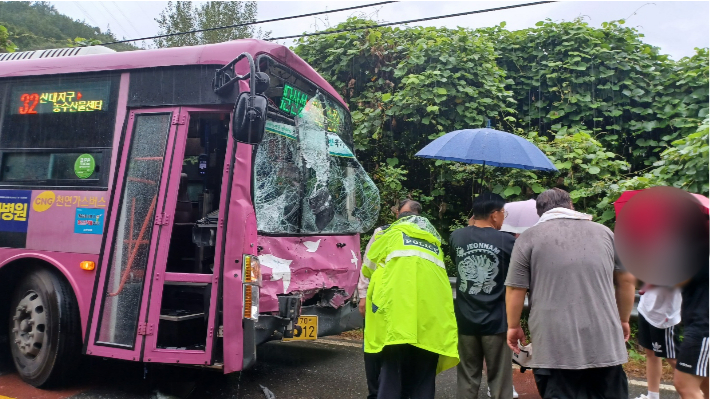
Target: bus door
(138, 233)
(158, 285)
(157, 289)
(180, 325)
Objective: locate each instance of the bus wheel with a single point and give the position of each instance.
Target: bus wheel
(45, 338)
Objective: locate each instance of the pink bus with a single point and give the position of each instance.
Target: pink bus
(176, 206)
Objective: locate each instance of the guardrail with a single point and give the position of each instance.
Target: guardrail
(634, 311)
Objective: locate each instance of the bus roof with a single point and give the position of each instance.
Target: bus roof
(209, 54)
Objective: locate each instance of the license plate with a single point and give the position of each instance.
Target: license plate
(305, 328)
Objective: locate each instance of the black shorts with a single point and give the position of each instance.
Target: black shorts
(603, 382)
(662, 341)
(693, 356)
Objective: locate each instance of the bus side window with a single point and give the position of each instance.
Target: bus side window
(66, 140)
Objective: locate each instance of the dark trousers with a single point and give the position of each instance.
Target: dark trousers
(373, 364)
(595, 383)
(407, 372)
(473, 349)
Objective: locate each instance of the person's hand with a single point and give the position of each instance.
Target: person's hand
(361, 306)
(626, 329)
(645, 288)
(514, 335)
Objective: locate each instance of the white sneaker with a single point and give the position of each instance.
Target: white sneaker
(642, 396)
(489, 392)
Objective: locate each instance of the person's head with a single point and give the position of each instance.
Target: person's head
(408, 207)
(490, 208)
(554, 198)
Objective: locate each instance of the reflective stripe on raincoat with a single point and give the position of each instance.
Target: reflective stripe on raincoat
(409, 300)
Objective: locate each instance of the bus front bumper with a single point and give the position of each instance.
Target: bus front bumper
(331, 321)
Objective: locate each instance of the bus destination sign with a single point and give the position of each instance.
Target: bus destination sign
(60, 98)
(292, 100)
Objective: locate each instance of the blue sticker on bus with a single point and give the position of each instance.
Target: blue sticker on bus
(13, 210)
(89, 221)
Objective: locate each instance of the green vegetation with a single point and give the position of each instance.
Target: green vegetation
(6, 45)
(38, 25)
(611, 111)
(182, 16)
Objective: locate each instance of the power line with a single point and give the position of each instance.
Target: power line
(109, 14)
(250, 23)
(86, 14)
(125, 17)
(329, 32)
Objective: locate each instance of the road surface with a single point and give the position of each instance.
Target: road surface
(309, 370)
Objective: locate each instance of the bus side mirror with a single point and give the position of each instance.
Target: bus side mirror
(249, 121)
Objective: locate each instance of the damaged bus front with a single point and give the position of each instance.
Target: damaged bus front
(311, 199)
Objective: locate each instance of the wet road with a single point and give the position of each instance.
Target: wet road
(323, 369)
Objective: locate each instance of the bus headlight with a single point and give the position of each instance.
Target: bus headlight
(251, 302)
(251, 270)
(251, 279)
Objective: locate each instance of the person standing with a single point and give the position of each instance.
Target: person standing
(409, 316)
(482, 254)
(579, 320)
(691, 370)
(373, 361)
(659, 313)
(663, 239)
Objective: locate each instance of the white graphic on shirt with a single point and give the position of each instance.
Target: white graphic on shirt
(478, 268)
(656, 346)
(459, 252)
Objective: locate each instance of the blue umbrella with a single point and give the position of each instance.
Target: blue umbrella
(487, 147)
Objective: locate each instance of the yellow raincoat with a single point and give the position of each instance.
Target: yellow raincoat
(409, 300)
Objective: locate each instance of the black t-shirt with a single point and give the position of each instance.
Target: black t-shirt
(482, 257)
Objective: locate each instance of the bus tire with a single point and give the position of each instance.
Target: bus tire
(44, 329)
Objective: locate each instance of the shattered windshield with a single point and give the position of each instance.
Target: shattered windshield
(306, 178)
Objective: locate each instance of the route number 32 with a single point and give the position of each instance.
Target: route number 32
(29, 102)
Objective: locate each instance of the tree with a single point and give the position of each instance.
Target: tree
(82, 42)
(569, 75)
(601, 103)
(182, 16)
(684, 164)
(405, 87)
(38, 25)
(177, 17)
(6, 45)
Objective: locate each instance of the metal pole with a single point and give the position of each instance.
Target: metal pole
(481, 176)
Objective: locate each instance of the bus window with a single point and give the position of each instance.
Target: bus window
(119, 317)
(58, 132)
(339, 196)
(277, 183)
(43, 166)
(306, 177)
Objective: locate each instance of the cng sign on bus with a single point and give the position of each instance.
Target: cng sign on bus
(43, 201)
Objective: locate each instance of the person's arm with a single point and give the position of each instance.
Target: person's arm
(364, 282)
(517, 284)
(362, 285)
(625, 292)
(514, 302)
(625, 284)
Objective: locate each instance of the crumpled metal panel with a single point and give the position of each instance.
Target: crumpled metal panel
(308, 265)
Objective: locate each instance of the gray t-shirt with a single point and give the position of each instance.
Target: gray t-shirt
(568, 266)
